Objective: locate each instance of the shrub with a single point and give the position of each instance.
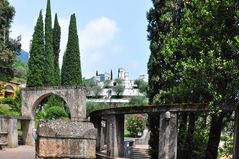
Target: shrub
(138, 100)
(9, 101)
(55, 112)
(135, 124)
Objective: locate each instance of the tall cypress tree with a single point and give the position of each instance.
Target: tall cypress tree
(49, 52)
(56, 47)
(163, 21)
(36, 64)
(71, 67)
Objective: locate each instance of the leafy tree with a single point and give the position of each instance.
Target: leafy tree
(107, 83)
(142, 86)
(138, 100)
(200, 64)
(56, 48)
(36, 63)
(163, 19)
(71, 67)
(49, 51)
(92, 88)
(8, 47)
(118, 87)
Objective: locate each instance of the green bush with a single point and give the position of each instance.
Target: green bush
(55, 112)
(93, 106)
(135, 124)
(138, 100)
(9, 101)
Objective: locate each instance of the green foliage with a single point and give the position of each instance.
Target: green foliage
(15, 104)
(135, 124)
(49, 64)
(138, 100)
(9, 101)
(195, 58)
(92, 88)
(6, 110)
(71, 67)
(142, 86)
(56, 48)
(8, 47)
(118, 88)
(36, 63)
(20, 69)
(55, 112)
(107, 83)
(93, 106)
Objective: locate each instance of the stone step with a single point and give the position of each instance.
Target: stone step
(140, 153)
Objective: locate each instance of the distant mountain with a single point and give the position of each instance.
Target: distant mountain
(23, 57)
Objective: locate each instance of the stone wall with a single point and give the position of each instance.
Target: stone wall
(8, 132)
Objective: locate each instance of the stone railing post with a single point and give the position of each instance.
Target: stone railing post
(115, 133)
(12, 133)
(167, 135)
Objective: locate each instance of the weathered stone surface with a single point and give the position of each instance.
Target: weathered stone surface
(70, 129)
(168, 136)
(74, 97)
(62, 139)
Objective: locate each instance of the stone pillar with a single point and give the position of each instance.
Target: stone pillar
(115, 133)
(236, 136)
(97, 124)
(12, 133)
(167, 136)
(27, 132)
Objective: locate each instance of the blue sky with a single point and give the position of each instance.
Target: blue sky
(112, 33)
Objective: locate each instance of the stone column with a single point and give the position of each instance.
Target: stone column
(167, 136)
(27, 132)
(236, 136)
(97, 124)
(115, 133)
(12, 133)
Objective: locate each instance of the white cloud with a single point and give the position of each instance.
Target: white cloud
(94, 37)
(98, 33)
(26, 33)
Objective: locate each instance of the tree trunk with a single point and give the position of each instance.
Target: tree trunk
(214, 136)
(188, 146)
(182, 134)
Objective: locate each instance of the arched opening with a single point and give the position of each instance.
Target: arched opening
(50, 106)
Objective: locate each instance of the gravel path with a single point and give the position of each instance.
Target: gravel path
(21, 152)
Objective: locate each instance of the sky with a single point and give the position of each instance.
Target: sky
(112, 34)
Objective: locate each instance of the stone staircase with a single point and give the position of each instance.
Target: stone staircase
(140, 152)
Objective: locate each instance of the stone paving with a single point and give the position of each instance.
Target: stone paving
(21, 152)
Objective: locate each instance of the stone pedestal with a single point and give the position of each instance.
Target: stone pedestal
(66, 139)
(168, 136)
(12, 133)
(27, 132)
(115, 135)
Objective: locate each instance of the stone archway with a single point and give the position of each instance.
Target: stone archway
(74, 97)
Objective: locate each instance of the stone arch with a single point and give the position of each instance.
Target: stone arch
(74, 97)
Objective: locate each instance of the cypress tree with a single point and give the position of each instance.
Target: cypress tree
(162, 18)
(35, 74)
(49, 52)
(71, 67)
(111, 75)
(56, 47)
